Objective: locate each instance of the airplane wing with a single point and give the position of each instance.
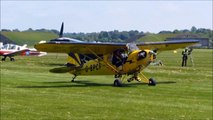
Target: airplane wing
(81, 48)
(167, 45)
(19, 52)
(107, 48)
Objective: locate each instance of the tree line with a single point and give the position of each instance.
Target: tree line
(120, 36)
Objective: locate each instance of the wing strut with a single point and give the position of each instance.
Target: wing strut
(110, 66)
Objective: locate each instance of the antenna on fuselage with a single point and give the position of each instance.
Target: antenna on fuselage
(62, 29)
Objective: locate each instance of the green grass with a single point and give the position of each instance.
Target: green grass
(29, 38)
(30, 92)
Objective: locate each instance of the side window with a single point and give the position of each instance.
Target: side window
(119, 57)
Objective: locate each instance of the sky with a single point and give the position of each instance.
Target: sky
(95, 16)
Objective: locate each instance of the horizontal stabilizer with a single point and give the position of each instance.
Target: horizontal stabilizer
(62, 69)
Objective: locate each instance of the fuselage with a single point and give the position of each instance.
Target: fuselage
(135, 62)
(10, 49)
(4, 52)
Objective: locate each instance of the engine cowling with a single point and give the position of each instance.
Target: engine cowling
(138, 60)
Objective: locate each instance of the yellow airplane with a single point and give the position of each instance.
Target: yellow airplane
(125, 61)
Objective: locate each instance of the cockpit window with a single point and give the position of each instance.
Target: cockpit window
(12, 47)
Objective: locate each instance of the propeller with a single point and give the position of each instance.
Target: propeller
(61, 31)
(155, 50)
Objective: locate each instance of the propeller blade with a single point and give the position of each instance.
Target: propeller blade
(155, 50)
(62, 29)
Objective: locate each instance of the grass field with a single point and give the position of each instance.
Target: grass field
(30, 92)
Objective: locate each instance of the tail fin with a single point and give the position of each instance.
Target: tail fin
(74, 61)
(62, 29)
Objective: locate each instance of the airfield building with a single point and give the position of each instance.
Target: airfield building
(203, 42)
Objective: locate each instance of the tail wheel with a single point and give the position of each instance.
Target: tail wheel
(117, 83)
(152, 82)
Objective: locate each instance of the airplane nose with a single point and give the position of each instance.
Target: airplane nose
(153, 55)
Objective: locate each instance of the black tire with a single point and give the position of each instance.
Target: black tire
(3, 59)
(12, 59)
(152, 82)
(117, 83)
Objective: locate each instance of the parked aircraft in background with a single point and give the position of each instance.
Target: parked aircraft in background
(11, 50)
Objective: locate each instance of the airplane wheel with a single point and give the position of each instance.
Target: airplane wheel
(117, 83)
(152, 82)
(12, 59)
(3, 59)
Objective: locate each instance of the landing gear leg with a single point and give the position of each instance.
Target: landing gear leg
(73, 79)
(134, 77)
(151, 81)
(117, 81)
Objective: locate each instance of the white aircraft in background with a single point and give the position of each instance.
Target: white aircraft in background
(11, 50)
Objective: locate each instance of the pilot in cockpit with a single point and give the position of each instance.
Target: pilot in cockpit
(119, 58)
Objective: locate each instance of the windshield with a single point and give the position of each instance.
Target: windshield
(131, 47)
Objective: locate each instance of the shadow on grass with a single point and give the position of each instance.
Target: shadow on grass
(166, 82)
(84, 83)
(53, 64)
(64, 84)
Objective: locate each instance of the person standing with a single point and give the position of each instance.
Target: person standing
(184, 57)
(190, 56)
